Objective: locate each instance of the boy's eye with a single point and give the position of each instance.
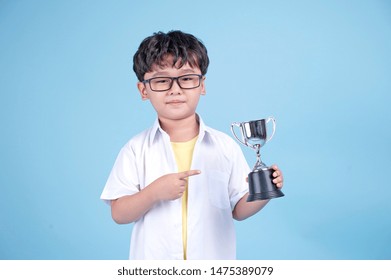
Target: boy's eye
(187, 79)
(161, 81)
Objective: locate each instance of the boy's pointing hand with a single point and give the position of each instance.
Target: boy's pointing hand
(172, 186)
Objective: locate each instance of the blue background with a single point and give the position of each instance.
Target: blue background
(69, 103)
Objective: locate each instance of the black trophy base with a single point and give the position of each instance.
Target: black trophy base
(261, 186)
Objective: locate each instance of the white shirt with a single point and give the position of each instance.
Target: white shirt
(213, 195)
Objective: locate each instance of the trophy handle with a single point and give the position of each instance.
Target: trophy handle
(274, 127)
(233, 132)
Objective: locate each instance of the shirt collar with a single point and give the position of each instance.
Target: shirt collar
(157, 131)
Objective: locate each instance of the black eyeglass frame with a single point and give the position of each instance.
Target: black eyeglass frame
(172, 81)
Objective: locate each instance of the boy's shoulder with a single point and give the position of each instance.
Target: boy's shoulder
(217, 133)
(221, 137)
(140, 137)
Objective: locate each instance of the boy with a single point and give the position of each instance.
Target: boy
(180, 182)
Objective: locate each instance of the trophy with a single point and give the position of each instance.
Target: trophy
(254, 135)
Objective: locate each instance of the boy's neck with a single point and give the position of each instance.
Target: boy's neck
(181, 130)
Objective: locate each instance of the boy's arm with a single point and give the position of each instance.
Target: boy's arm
(130, 208)
(244, 209)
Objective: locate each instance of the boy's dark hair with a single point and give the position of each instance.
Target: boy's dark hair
(183, 47)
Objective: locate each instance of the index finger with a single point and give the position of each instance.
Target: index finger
(188, 173)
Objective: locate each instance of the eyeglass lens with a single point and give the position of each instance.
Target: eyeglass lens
(165, 83)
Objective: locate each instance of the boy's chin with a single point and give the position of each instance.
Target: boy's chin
(177, 116)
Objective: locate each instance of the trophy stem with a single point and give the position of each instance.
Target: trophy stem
(258, 152)
(259, 164)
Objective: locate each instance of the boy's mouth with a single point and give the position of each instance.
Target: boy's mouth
(175, 102)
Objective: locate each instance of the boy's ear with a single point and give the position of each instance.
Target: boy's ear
(143, 91)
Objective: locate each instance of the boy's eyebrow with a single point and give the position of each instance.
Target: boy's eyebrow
(157, 74)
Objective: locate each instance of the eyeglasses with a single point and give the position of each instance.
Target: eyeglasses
(165, 83)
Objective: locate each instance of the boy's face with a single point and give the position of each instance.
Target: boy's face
(176, 103)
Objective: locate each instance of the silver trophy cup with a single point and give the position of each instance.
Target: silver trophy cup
(260, 179)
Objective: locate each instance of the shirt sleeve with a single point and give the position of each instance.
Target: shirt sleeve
(238, 186)
(123, 178)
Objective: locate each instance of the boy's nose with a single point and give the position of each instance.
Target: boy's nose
(175, 88)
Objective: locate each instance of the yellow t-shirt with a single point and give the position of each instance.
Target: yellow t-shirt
(183, 152)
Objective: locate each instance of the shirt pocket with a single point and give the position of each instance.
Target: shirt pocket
(218, 189)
